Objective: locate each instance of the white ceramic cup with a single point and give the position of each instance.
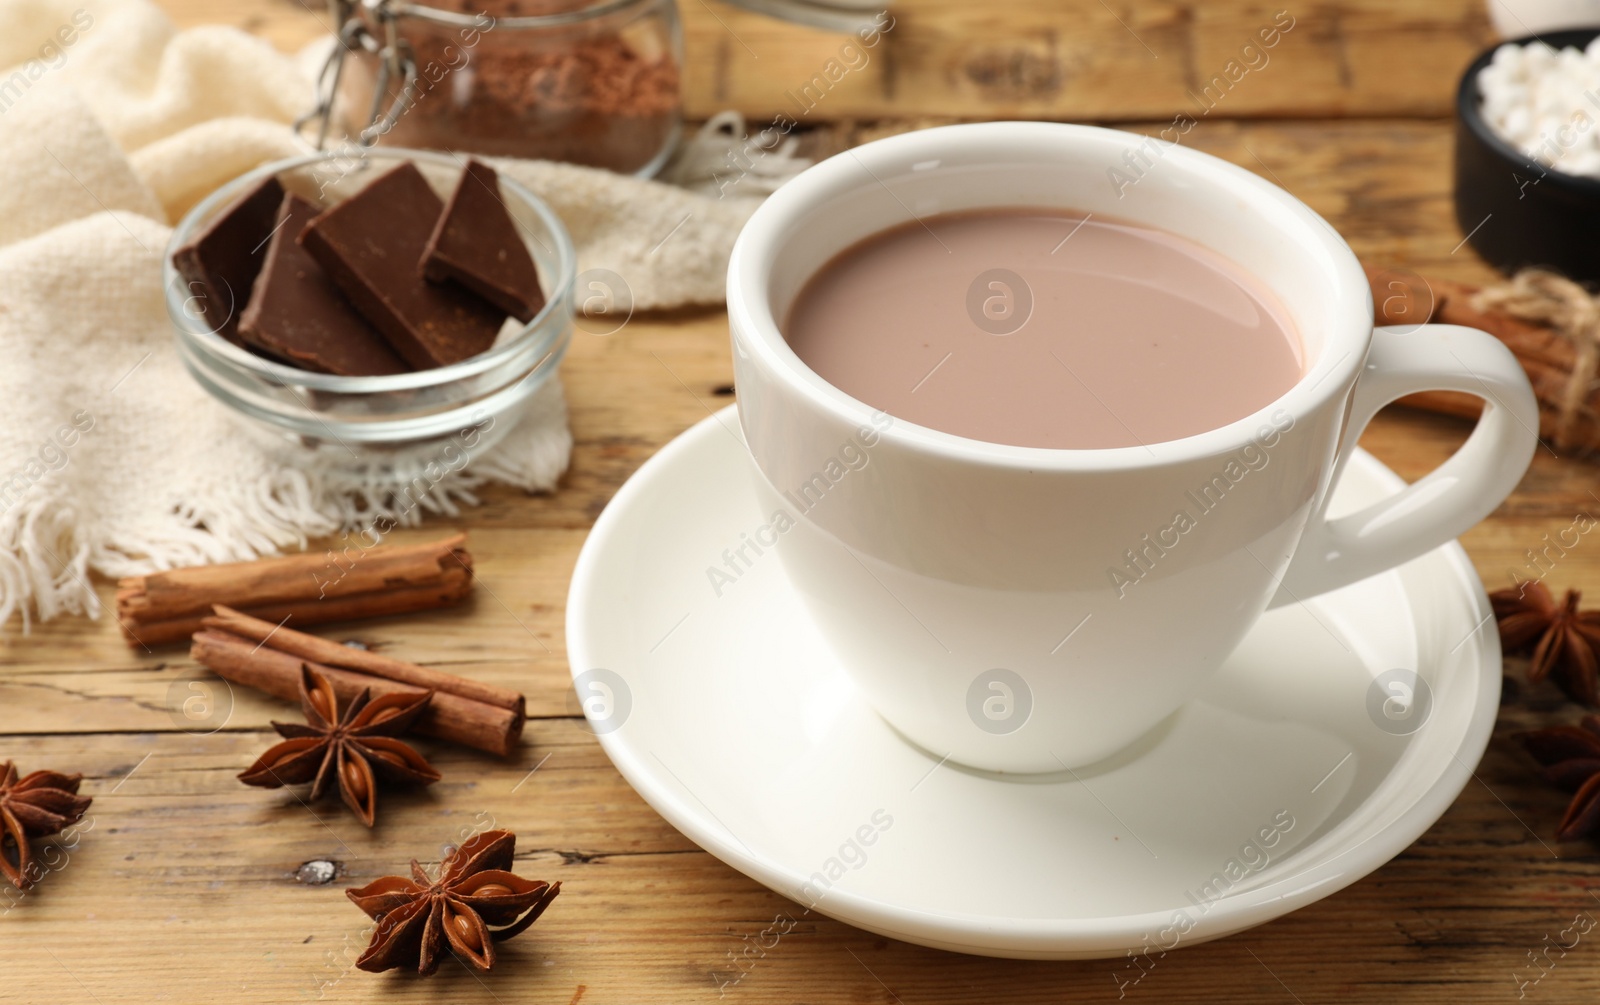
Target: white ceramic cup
(1028, 609)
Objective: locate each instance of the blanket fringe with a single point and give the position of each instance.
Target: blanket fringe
(47, 552)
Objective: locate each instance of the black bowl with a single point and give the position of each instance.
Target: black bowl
(1515, 211)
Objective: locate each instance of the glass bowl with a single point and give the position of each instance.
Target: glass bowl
(386, 424)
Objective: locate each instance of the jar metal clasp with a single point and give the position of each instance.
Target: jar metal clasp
(396, 62)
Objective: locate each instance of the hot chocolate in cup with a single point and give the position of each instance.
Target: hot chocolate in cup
(1032, 609)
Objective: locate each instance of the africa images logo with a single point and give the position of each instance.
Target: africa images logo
(851, 455)
(1140, 560)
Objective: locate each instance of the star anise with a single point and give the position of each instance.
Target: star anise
(1562, 639)
(37, 805)
(476, 902)
(355, 749)
(1571, 759)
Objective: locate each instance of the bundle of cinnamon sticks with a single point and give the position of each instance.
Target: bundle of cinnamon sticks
(261, 655)
(1570, 422)
(236, 617)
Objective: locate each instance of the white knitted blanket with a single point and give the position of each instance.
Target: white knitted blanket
(112, 460)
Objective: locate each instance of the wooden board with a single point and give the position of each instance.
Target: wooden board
(185, 887)
(1059, 59)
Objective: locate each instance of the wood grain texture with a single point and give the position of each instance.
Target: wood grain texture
(184, 885)
(1057, 59)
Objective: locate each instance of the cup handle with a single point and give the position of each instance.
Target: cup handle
(1451, 498)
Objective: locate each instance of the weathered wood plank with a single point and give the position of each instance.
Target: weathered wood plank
(646, 917)
(1059, 59)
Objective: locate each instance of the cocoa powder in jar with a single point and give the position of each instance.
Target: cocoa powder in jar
(602, 92)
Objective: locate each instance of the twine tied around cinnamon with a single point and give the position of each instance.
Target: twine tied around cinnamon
(1544, 297)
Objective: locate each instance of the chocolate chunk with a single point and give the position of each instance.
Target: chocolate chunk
(476, 244)
(296, 314)
(222, 261)
(370, 245)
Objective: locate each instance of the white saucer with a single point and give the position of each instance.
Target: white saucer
(730, 716)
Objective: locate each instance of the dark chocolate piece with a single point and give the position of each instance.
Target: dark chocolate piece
(296, 313)
(222, 261)
(476, 244)
(370, 245)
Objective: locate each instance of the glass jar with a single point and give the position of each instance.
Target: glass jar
(594, 82)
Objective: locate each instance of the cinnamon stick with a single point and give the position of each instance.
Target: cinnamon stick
(308, 589)
(448, 716)
(1402, 298)
(326, 652)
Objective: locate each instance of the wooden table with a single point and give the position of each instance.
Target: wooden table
(186, 887)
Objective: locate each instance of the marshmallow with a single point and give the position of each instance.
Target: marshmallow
(1546, 103)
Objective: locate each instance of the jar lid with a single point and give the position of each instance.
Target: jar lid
(504, 8)
(849, 16)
